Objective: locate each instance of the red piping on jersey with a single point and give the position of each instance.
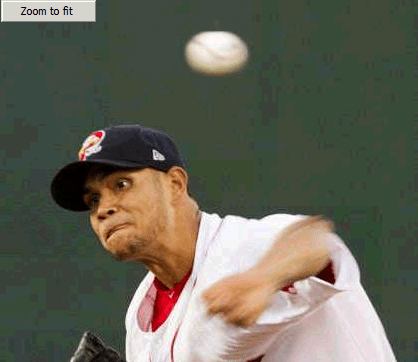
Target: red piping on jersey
(326, 274)
(258, 359)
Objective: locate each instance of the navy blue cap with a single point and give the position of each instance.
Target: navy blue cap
(127, 146)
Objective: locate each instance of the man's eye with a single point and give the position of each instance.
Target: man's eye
(122, 184)
(91, 201)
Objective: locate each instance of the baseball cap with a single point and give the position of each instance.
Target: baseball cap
(125, 146)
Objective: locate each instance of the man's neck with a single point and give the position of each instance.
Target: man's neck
(179, 262)
(170, 276)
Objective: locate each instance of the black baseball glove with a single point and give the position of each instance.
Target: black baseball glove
(92, 349)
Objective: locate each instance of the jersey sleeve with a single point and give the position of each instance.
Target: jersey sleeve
(211, 339)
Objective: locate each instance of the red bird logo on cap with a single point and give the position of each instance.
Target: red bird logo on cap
(91, 145)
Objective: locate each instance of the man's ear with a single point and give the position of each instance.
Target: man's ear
(178, 179)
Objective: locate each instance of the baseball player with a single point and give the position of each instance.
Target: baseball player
(283, 288)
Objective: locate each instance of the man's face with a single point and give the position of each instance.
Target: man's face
(129, 211)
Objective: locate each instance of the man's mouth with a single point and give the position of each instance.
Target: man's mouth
(113, 229)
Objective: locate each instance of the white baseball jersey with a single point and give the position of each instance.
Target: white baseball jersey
(320, 322)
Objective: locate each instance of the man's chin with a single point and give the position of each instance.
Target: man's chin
(128, 254)
(126, 257)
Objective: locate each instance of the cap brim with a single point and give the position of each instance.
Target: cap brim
(67, 187)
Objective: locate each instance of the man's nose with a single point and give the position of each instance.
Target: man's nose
(107, 205)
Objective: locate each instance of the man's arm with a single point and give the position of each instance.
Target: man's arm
(298, 253)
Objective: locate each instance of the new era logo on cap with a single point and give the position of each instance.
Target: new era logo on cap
(157, 156)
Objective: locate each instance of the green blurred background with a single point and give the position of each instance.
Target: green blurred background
(321, 121)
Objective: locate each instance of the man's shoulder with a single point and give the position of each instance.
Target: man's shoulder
(240, 241)
(240, 229)
(273, 221)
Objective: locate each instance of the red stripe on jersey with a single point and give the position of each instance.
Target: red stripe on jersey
(326, 274)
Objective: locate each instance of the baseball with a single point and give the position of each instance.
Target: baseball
(216, 53)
